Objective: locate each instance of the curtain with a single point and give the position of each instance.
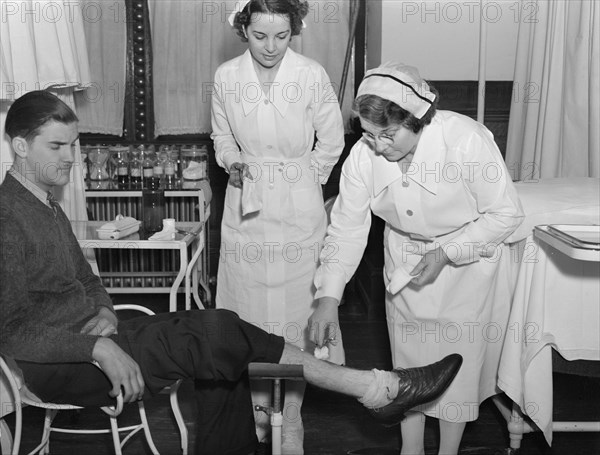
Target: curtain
(100, 107)
(190, 39)
(43, 47)
(554, 123)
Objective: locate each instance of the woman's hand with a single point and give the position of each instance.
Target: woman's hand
(104, 324)
(430, 266)
(237, 173)
(324, 323)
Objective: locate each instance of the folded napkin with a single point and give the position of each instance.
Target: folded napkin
(251, 197)
(400, 278)
(122, 226)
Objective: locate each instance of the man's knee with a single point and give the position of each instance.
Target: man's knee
(221, 324)
(219, 317)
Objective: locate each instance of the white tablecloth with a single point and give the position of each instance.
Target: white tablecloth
(556, 305)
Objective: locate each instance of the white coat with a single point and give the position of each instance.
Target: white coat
(456, 194)
(268, 257)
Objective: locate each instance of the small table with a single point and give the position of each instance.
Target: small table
(192, 238)
(555, 306)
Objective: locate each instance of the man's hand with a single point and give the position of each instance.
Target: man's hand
(430, 266)
(324, 323)
(237, 173)
(122, 371)
(104, 324)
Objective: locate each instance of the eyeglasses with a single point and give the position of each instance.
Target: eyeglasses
(386, 138)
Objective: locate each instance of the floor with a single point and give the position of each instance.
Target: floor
(337, 425)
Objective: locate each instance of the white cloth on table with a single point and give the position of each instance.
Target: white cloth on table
(555, 305)
(557, 201)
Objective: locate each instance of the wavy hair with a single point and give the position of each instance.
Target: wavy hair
(30, 112)
(295, 10)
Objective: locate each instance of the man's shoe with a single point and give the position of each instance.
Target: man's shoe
(417, 386)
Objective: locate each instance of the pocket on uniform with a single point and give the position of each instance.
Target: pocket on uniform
(309, 211)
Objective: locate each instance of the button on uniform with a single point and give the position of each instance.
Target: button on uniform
(266, 101)
(409, 212)
(405, 184)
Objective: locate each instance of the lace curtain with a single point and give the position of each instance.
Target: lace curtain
(190, 39)
(100, 107)
(555, 113)
(42, 46)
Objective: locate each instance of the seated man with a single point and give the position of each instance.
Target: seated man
(56, 318)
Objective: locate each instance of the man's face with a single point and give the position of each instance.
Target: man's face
(48, 158)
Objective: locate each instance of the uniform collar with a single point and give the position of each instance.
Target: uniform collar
(427, 166)
(285, 75)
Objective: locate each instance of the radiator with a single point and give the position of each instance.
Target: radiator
(147, 271)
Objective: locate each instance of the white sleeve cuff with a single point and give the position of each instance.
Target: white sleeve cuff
(331, 286)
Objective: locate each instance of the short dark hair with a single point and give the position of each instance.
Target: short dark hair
(295, 10)
(33, 110)
(385, 113)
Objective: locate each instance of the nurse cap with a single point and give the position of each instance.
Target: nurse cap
(400, 84)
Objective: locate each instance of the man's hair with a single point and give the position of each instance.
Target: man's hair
(295, 10)
(384, 113)
(30, 112)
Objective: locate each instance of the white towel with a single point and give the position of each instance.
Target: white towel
(251, 197)
(400, 278)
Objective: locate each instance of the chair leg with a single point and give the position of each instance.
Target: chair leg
(7, 443)
(183, 433)
(146, 427)
(114, 430)
(45, 444)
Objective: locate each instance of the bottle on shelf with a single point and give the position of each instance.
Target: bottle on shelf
(120, 157)
(153, 206)
(84, 162)
(195, 160)
(170, 179)
(159, 164)
(98, 173)
(148, 158)
(135, 171)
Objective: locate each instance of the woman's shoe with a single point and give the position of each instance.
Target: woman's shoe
(417, 386)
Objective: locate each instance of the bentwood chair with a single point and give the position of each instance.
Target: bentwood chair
(21, 396)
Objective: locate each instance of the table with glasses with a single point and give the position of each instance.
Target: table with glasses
(189, 241)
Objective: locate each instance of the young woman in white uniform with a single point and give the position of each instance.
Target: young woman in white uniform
(439, 182)
(267, 107)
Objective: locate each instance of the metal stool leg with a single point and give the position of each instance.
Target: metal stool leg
(275, 373)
